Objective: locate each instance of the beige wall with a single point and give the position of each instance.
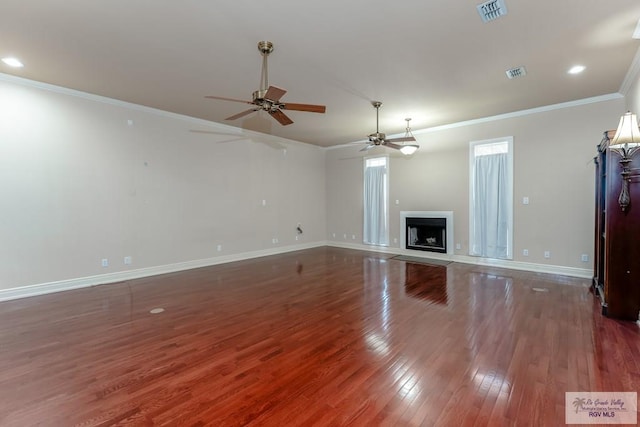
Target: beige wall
(553, 154)
(80, 184)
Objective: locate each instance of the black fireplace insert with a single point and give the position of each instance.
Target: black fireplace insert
(427, 234)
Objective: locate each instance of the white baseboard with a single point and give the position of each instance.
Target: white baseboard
(103, 279)
(583, 273)
(121, 276)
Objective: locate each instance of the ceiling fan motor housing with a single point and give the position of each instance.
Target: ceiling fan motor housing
(258, 95)
(267, 98)
(265, 103)
(377, 138)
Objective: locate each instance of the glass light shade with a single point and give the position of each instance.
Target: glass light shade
(409, 149)
(627, 135)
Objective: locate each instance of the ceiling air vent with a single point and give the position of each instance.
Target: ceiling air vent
(514, 73)
(491, 10)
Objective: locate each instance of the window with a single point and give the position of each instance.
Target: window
(376, 195)
(491, 198)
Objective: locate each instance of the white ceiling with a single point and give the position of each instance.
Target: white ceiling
(432, 60)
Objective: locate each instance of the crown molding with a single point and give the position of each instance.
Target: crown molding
(520, 113)
(143, 109)
(633, 74)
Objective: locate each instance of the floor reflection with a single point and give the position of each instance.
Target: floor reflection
(426, 282)
(377, 343)
(407, 383)
(490, 302)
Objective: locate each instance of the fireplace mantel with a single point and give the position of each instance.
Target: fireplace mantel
(448, 215)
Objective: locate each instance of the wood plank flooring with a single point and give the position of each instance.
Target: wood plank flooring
(320, 337)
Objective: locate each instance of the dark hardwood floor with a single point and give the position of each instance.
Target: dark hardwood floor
(325, 336)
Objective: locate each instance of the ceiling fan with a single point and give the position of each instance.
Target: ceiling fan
(267, 98)
(378, 138)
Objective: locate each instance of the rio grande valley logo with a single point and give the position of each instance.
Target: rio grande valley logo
(601, 407)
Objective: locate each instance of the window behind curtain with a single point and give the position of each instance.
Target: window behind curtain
(376, 221)
(491, 198)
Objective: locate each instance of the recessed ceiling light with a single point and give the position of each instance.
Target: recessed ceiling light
(576, 69)
(13, 62)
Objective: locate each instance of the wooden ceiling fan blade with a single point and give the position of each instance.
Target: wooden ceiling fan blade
(403, 139)
(229, 99)
(242, 114)
(304, 107)
(274, 93)
(281, 117)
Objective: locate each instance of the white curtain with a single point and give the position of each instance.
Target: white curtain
(375, 209)
(490, 207)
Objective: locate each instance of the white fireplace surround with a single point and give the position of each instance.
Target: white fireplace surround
(448, 215)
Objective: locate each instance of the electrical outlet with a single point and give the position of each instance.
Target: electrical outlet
(345, 236)
(334, 235)
(525, 200)
(264, 202)
(458, 246)
(219, 247)
(353, 237)
(547, 254)
(585, 258)
(105, 262)
(525, 252)
(397, 202)
(127, 260)
(395, 240)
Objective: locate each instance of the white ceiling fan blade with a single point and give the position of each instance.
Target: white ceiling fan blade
(407, 149)
(228, 99)
(392, 145)
(212, 132)
(403, 139)
(242, 114)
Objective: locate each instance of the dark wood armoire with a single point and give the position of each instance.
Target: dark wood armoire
(616, 277)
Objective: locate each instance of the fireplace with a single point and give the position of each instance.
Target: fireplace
(427, 231)
(426, 234)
